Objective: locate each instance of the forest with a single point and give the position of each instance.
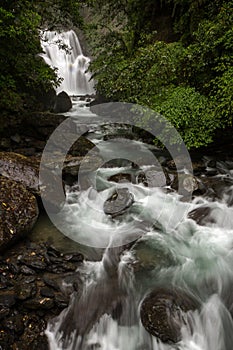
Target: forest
(173, 56)
(114, 233)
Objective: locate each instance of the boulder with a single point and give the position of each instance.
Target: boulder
(62, 103)
(18, 211)
(187, 184)
(26, 171)
(201, 215)
(119, 202)
(120, 177)
(80, 147)
(77, 169)
(20, 169)
(149, 255)
(154, 178)
(164, 311)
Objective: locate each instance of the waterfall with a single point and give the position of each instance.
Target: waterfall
(170, 250)
(105, 313)
(63, 52)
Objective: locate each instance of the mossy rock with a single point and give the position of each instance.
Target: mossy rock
(164, 311)
(21, 169)
(18, 212)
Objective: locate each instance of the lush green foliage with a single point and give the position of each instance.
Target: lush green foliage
(174, 56)
(23, 74)
(188, 78)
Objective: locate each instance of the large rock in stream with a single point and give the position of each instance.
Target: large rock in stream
(18, 212)
(36, 282)
(187, 184)
(63, 103)
(119, 202)
(26, 172)
(20, 169)
(164, 311)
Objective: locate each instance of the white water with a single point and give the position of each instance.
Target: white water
(72, 66)
(203, 265)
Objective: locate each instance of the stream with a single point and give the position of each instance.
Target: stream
(154, 246)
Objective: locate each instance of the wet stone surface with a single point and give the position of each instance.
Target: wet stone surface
(21, 169)
(164, 311)
(18, 212)
(32, 291)
(154, 178)
(119, 202)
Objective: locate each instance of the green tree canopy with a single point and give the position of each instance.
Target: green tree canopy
(187, 76)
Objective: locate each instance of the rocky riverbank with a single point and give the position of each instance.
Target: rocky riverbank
(32, 273)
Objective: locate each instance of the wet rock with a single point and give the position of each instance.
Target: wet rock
(14, 324)
(24, 291)
(4, 311)
(7, 298)
(47, 292)
(30, 279)
(82, 146)
(120, 177)
(201, 215)
(40, 343)
(21, 169)
(27, 302)
(119, 202)
(5, 143)
(18, 212)
(16, 138)
(26, 270)
(219, 188)
(53, 198)
(154, 178)
(74, 257)
(149, 255)
(62, 103)
(77, 168)
(175, 164)
(123, 135)
(198, 166)
(34, 260)
(6, 339)
(33, 337)
(187, 184)
(39, 303)
(211, 163)
(52, 280)
(61, 300)
(164, 311)
(30, 151)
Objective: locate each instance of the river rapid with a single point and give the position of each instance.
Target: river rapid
(154, 244)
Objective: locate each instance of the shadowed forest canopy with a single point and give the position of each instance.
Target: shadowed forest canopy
(174, 56)
(23, 74)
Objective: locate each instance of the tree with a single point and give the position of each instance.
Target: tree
(22, 72)
(188, 79)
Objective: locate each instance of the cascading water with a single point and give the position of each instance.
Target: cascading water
(105, 313)
(63, 51)
(170, 250)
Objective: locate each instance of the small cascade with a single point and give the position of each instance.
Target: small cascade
(165, 250)
(63, 51)
(104, 314)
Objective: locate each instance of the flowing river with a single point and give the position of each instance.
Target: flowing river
(153, 245)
